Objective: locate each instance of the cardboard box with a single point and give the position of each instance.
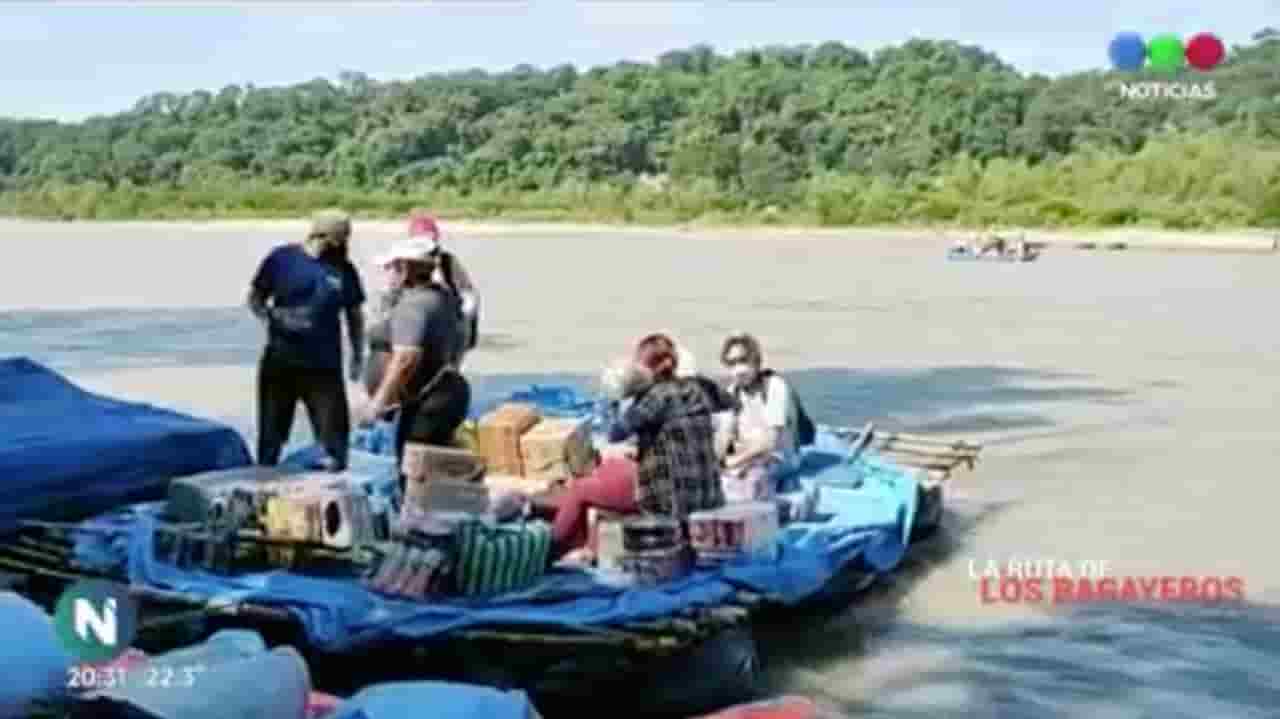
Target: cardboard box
(557, 450)
(425, 465)
(500, 484)
(498, 436)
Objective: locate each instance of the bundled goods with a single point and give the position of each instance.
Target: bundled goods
(654, 551)
(498, 436)
(643, 534)
(556, 450)
(653, 567)
(499, 558)
(204, 497)
(201, 549)
(430, 529)
(605, 538)
(411, 571)
(445, 479)
(335, 515)
(449, 496)
(748, 529)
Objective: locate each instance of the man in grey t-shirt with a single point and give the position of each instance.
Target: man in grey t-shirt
(421, 333)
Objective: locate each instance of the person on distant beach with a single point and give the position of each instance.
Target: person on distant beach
(992, 244)
(451, 274)
(299, 292)
(414, 347)
(676, 470)
(771, 423)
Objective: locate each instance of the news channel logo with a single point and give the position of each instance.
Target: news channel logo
(96, 621)
(1165, 52)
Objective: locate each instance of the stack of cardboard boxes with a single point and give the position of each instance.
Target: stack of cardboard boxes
(526, 452)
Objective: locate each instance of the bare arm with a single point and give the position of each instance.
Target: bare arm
(400, 368)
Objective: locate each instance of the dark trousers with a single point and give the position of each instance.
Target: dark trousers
(322, 391)
(435, 417)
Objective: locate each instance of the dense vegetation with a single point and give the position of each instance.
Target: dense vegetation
(925, 132)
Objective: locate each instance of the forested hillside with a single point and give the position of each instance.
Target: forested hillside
(924, 132)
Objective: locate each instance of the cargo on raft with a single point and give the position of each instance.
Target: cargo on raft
(334, 568)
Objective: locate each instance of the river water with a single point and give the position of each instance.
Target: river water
(1110, 661)
(1127, 404)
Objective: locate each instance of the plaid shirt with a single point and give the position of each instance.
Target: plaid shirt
(679, 470)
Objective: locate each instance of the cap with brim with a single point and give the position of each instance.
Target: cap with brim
(413, 250)
(330, 223)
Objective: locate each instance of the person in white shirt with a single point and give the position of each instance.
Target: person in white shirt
(767, 439)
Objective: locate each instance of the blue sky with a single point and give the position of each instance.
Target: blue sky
(68, 60)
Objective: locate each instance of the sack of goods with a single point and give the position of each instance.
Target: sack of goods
(500, 558)
(654, 551)
(735, 531)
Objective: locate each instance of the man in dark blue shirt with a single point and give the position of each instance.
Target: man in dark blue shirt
(300, 291)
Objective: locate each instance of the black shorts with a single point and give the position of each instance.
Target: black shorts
(434, 419)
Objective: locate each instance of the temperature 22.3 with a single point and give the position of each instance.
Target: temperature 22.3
(163, 676)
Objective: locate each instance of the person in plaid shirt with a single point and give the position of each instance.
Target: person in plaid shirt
(676, 470)
(672, 419)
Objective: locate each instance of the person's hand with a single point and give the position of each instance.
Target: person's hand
(364, 413)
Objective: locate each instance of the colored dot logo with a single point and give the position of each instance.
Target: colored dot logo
(1166, 52)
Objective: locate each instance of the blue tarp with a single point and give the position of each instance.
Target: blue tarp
(63, 447)
(871, 503)
(439, 700)
(34, 661)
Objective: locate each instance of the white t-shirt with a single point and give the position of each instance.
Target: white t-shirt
(772, 406)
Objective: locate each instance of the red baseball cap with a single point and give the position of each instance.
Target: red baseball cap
(424, 224)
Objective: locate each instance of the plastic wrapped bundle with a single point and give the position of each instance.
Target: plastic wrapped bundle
(411, 571)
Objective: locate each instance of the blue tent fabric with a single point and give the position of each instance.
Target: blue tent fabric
(870, 504)
(61, 446)
(439, 700)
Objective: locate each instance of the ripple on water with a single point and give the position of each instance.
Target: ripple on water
(1096, 662)
(1116, 660)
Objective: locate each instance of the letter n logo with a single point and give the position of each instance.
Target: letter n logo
(96, 621)
(103, 624)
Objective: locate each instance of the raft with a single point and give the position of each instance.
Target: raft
(569, 636)
(960, 254)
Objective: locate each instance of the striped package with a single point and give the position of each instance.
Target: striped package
(498, 558)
